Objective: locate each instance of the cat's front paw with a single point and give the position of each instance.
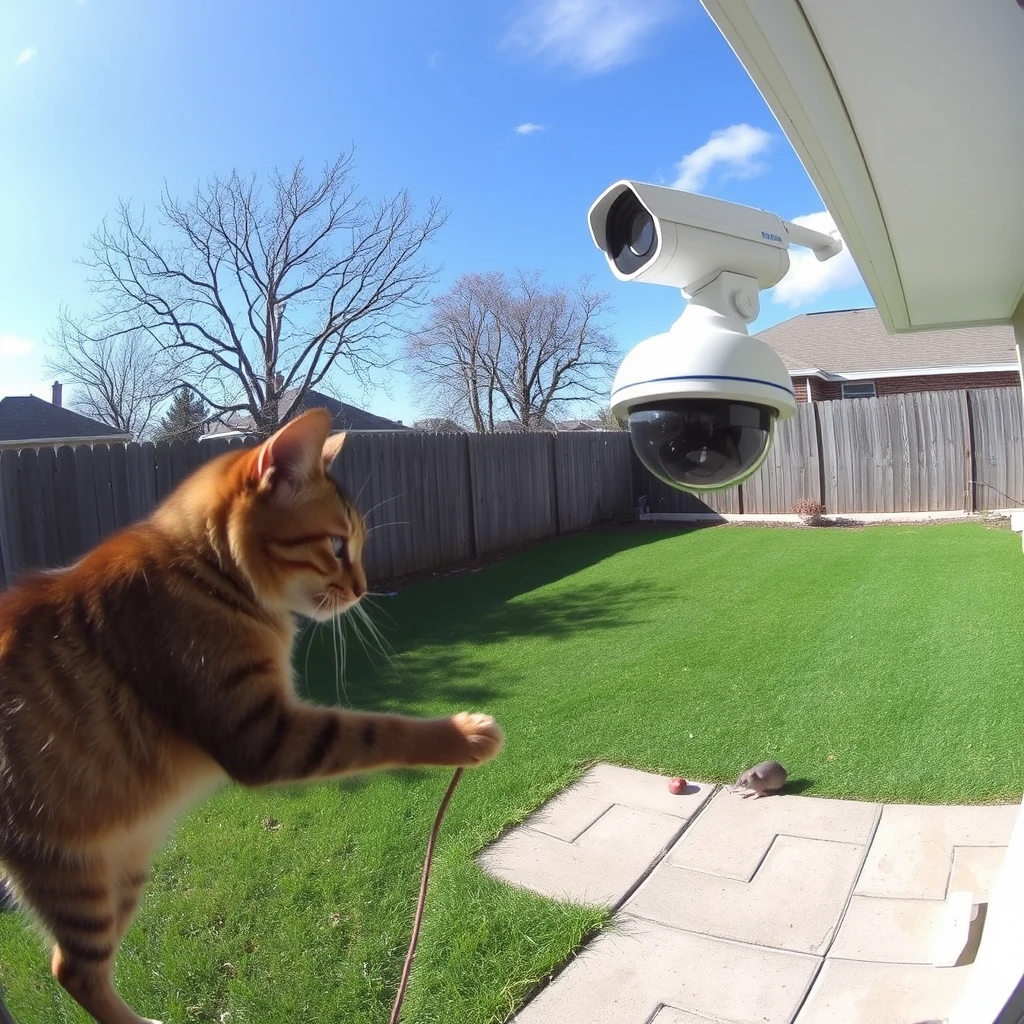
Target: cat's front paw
(482, 735)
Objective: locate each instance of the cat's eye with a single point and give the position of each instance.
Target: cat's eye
(340, 547)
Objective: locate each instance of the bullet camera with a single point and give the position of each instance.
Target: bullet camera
(702, 399)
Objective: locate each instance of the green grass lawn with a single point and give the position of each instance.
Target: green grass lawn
(882, 663)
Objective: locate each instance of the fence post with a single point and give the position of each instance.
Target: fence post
(474, 541)
(554, 484)
(971, 490)
(821, 454)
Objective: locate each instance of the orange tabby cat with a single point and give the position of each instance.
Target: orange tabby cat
(159, 665)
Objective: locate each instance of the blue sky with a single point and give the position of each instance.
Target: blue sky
(104, 99)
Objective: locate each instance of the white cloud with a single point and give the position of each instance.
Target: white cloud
(11, 346)
(734, 151)
(589, 36)
(26, 55)
(432, 61)
(808, 277)
(528, 128)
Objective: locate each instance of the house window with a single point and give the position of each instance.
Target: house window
(862, 389)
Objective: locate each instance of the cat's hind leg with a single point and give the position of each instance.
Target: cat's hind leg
(78, 901)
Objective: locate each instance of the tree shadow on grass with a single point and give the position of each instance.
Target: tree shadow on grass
(439, 628)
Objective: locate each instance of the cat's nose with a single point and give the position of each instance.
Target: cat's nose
(359, 589)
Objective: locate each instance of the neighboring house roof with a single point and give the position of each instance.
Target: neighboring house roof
(27, 418)
(853, 343)
(515, 427)
(343, 415)
(572, 425)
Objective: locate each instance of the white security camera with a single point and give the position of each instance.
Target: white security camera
(702, 399)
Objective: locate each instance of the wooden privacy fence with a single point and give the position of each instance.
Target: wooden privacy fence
(440, 499)
(431, 499)
(925, 452)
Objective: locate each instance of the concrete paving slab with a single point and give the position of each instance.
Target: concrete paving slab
(911, 856)
(627, 975)
(733, 834)
(889, 930)
(569, 814)
(975, 868)
(598, 869)
(794, 901)
(857, 992)
(670, 1015)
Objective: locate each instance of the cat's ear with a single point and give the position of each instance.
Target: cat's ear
(293, 454)
(332, 446)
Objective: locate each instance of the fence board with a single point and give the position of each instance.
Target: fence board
(10, 529)
(135, 468)
(592, 471)
(68, 525)
(119, 485)
(101, 483)
(195, 456)
(998, 422)
(85, 485)
(791, 471)
(179, 463)
(149, 488)
(164, 472)
(30, 523)
(46, 507)
(512, 500)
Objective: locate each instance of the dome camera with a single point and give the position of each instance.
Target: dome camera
(701, 400)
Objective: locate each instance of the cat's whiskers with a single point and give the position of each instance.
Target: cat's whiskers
(351, 621)
(385, 648)
(384, 501)
(381, 609)
(394, 522)
(340, 660)
(361, 489)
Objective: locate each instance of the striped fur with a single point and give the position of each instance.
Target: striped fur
(159, 666)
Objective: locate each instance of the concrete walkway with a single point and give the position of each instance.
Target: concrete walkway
(783, 910)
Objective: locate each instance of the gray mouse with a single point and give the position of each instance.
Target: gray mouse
(766, 777)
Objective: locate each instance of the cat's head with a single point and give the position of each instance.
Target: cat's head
(292, 529)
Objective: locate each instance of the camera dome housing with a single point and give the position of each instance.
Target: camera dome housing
(702, 400)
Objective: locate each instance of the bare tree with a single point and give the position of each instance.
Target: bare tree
(495, 348)
(254, 296)
(117, 377)
(451, 358)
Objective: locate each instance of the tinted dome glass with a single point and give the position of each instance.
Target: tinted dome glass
(701, 444)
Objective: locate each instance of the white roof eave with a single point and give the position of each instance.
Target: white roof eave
(781, 54)
(785, 55)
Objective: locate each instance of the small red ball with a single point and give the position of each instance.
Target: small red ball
(676, 785)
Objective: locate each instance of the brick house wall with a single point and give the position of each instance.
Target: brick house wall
(826, 390)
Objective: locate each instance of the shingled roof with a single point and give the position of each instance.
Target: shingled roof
(855, 341)
(27, 418)
(343, 415)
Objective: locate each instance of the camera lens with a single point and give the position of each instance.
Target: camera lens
(641, 233)
(631, 233)
(701, 444)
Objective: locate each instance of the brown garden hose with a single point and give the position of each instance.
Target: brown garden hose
(396, 1012)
